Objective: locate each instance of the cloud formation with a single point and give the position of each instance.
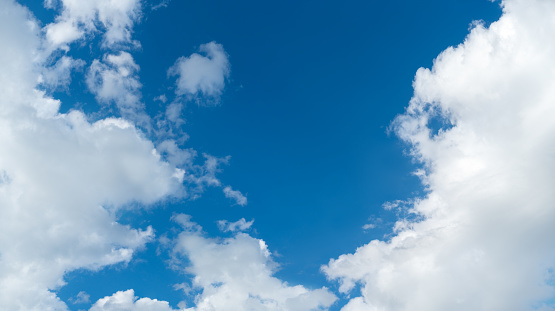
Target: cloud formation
(115, 80)
(84, 17)
(239, 225)
(63, 179)
(199, 75)
(236, 195)
(481, 239)
(127, 301)
(237, 274)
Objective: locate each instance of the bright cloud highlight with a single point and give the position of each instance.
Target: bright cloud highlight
(484, 234)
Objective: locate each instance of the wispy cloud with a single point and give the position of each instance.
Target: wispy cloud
(239, 198)
(240, 225)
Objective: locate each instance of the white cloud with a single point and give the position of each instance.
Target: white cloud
(484, 241)
(240, 225)
(236, 195)
(199, 75)
(63, 178)
(81, 297)
(161, 4)
(126, 301)
(81, 17)
(368, 226)
(116, 80)
(236, 274)
(59, 74)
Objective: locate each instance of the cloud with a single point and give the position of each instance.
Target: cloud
(199, 75)
(58, 76)
(81, 297)
(63, 179)
(116, 80)
(80, 18)
(236, 274)
(481, 239)
(240, 225)
(126, 301)
(161, 4)
(228, 275)
(239, 198)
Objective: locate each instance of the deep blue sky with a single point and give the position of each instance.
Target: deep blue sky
(313, 88)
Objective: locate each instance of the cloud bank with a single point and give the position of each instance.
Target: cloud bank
(482, 238)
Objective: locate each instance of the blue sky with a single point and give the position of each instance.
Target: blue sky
(326, 134)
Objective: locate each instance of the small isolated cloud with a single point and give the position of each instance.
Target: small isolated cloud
(81, 298)
(162, 98)
(161, 4)
(240, 225)
(236, 195)
(368, 226)
(373, 222)
(202, 75)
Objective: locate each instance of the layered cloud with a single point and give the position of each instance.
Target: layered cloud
(482, 238)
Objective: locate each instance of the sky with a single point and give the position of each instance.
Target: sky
(212, 155)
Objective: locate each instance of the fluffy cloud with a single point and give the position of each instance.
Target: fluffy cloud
(199, 75)
(236, 274)
(82, 17)
(126, 301)
(63, 178)
(483, 235)
(116, 80)
(59, 74)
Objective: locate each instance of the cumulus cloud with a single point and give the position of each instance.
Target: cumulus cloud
(79, 18)
(127, 301)
(63, 179)
(202, 75)
(233, 274)
(237, 274)
(482, 237)
(236, 195)
(58, 76)
(116, 80)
